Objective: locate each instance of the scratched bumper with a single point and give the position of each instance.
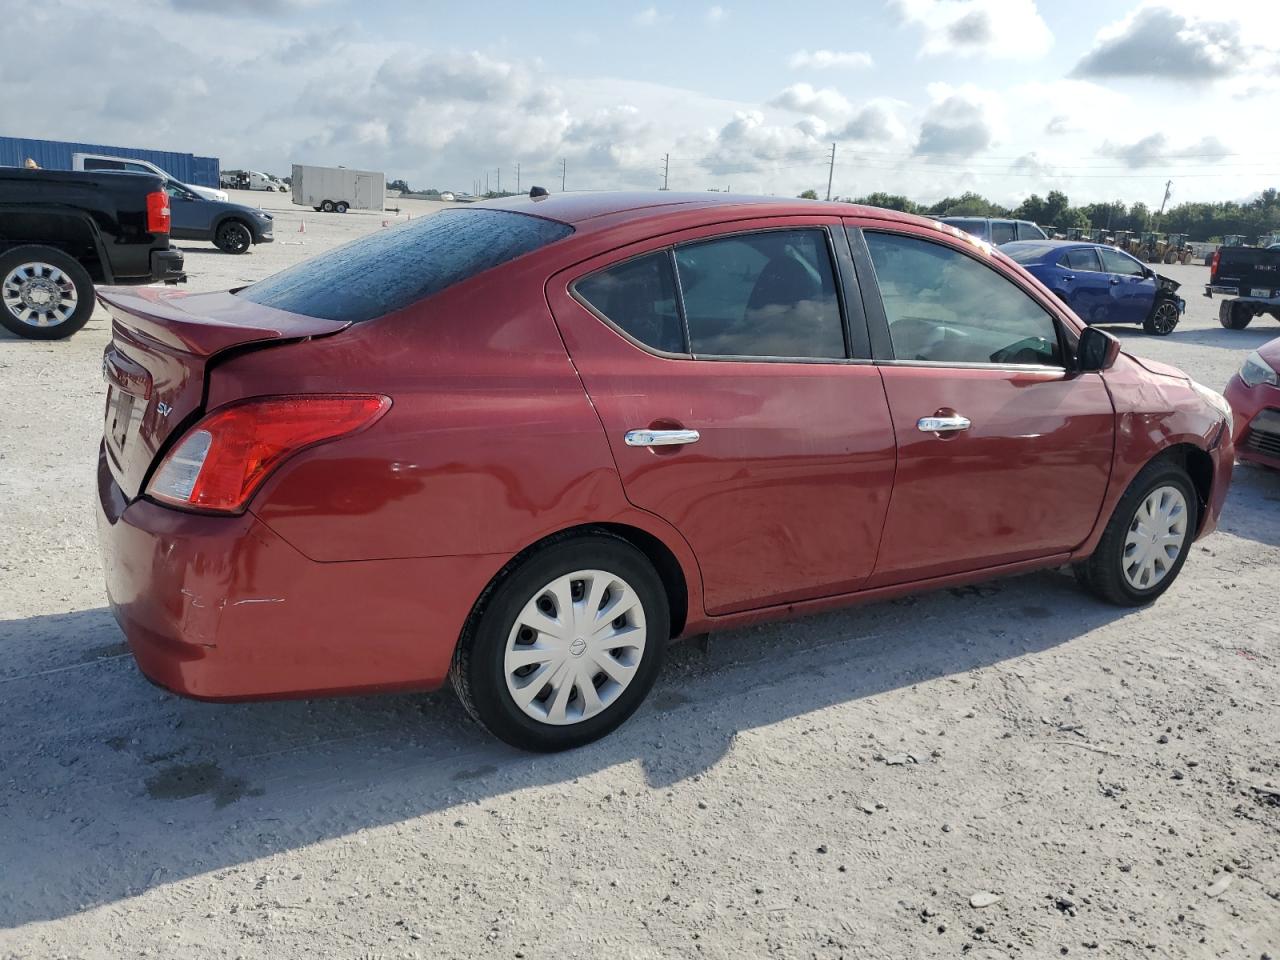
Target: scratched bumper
(222, 608)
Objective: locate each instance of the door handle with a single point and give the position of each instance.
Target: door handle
(660, 438)
(1069, 276)
(1115, 280)
(942, 424)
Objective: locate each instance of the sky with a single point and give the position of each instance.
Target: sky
(928, 98)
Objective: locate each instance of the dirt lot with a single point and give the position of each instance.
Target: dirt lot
(838, 786)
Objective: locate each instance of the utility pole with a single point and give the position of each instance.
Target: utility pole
(499, 188)
(486, 183)
(517, 178)
(1168, 191)
(564, 166)
(666, 169)
(831, 170)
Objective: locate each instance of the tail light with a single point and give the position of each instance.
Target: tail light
(1213, 265)
(222, 460)
(158, 212)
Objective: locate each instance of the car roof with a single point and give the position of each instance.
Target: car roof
(586, 210)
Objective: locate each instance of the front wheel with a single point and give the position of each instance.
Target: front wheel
(566, 646)
(341, 206)
(1164, 317)
(1147, 539)
(327, 206)
(233, 237)
(45, 294)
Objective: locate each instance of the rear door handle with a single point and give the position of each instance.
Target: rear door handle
(660, 438)
(942, 424)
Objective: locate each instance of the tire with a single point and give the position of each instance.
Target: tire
(1164, 317)
(45, 294)
(233, 237)
(340, 206)
(326, 206)
(1105, 572)
(1234, 315)
(498, 629)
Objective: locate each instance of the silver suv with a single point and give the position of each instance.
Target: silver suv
(996, 231)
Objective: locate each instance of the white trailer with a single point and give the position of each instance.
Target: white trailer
(338, 189)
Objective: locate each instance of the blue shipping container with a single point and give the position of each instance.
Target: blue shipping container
(56, 155)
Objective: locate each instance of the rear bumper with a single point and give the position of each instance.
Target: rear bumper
(221, 608)
(1257, 416)
(166, 265)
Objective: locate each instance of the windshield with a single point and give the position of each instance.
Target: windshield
(390, 269)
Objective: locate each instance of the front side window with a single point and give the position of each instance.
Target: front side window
(1001, 232)
(945, 307)
(638, 296)
(770, 294)
(1113, 261)
(1082, 258)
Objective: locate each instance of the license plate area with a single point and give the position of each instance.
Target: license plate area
(119, 416)
(1265, 294)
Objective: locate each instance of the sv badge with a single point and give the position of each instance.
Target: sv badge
(163, 409)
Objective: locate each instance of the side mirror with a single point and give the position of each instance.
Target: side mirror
(1096, 351)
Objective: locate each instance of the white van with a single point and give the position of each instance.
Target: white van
(96, 161)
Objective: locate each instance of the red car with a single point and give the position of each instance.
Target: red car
(1254, 395)
(524, 444)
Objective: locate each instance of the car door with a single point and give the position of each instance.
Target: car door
(1002, 232)
(1004, 454)
(740, 402)
(1133, 288)
(1085, 287)
(188, 213)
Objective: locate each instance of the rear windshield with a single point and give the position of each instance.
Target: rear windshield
(1030, 252)
(391, 269)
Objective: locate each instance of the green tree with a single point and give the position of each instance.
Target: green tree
(888, 201)
(968, 204)
(809, 195)
(401, 185)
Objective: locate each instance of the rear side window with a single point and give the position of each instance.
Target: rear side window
(946, 307)
(1082, 258)
(769, 294)
(639, 296)
(390, 269)
(1001, 232)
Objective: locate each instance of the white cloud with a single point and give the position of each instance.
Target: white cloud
(830, 60)
(803, 98)
(1159, 40)
(1154, 149)
(1000, 29)
(716, 14)
(961, 122)
(649, 17)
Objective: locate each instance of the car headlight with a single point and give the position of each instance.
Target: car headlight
(1256, 371)
(1216, 400)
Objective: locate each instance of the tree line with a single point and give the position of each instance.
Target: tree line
(1200, 221)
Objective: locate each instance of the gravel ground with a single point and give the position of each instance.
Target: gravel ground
(845, 785)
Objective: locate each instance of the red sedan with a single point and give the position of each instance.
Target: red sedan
(1254, 394)
(524, 444)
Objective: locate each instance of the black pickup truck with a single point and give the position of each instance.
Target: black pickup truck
(1251, 275)
(62, 232)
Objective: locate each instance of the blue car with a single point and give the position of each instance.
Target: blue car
(1102, 284)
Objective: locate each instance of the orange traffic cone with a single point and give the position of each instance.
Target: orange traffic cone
(302, 226)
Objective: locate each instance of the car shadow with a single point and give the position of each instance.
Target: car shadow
(1250, 338)
(113, 786)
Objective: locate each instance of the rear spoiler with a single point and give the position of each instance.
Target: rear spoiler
(203, 324)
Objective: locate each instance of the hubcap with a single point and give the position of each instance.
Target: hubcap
(1156, 536)
(575, 647)
(39, 294)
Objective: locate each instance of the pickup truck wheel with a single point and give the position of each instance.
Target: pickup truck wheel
(233, 237)
(1234, 315)
(341, 206)
(46, 294)
(327, 206)
(1164, 317)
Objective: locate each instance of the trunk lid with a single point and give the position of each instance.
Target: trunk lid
(163, 342)
(1254, 272)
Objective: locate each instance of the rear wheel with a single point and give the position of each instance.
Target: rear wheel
(1234, 315)
(233, 237)
(44, 293)
(327, 206)
(566, 646)
(341, 206)
(1147, 539)
(1163, 318)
